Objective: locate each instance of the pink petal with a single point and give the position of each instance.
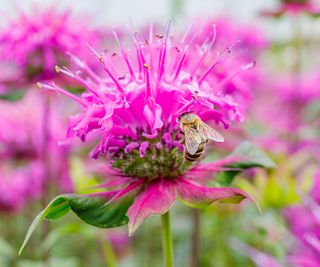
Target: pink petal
(197, 195)
(205, 171)
(153, 112)
(167, 139)
(158, 198)
(117, 181)
(178, 145)
(143, 148)
(158, 146)
(119, 193)
(129, 148)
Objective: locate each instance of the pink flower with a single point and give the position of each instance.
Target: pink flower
(306, 253)
(252, 39)
(120, 242)
(20, 183)
(261, 259)
(134, 108)
(248, 41)
(304, 222)
(23, 168)
(282, 107)
(295, 7)
(34, 43)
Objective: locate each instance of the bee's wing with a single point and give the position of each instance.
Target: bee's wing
(208, 132)
(192, 139)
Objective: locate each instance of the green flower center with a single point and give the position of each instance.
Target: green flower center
(158, 162)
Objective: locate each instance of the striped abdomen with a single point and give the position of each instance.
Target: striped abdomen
(198, 154)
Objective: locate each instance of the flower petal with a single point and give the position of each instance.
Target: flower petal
(143, 148)
(197, 195)
(153, 112)
(158, 198)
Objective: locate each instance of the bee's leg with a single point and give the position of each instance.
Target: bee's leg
(183, 140)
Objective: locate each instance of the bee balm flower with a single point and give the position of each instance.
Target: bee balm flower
(135, 108)
(306, 230)
(295, 7)
(23, 167)
(34, 43)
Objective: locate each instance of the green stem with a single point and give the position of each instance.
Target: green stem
(167, 239)
(47, 186)
(195, 238)
(108, 252)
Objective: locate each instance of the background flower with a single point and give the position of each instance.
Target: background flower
(23, 166)
(295, 7)
(32, 44)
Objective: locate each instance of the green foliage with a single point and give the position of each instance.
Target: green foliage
(284, 185)
(248, 156)
(13, 96)
(92, 209)
(76, 89)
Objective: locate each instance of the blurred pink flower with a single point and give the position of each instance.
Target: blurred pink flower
(34, 43)
(23, 168)
(283, 107)
(19, 183)
(119, 240)
(304, 222)
(252, 39)
(135, 110)
(248, 40)
(305, 225)
(295, 7)
(261, 259)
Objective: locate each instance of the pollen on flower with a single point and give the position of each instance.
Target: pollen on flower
(146, 66)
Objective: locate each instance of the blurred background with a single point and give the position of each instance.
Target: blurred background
(141, 12)
(282, 37)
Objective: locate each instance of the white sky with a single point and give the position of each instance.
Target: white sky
(143, 11)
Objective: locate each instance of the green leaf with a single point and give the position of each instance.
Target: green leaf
(250, 156)
(76, 89)
(13, 96)
(232, 200)
(93, 209)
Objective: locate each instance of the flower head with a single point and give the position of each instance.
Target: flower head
(252, 39)
(295, 7)
(135, 110)
(248, 40)
(306, 230)
(34, 43)
(290, 121)
(23, 167)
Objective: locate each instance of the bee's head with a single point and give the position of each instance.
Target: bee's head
(186, 116)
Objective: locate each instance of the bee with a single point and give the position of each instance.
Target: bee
(196, 135)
